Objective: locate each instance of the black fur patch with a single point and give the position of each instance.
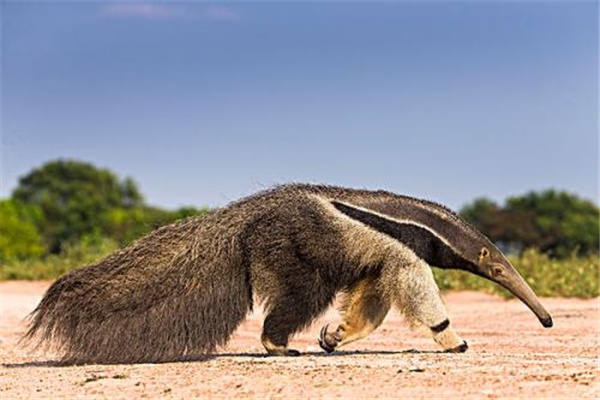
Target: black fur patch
(441, 326)
(421, 241)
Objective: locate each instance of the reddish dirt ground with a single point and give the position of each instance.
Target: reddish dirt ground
(511, 356)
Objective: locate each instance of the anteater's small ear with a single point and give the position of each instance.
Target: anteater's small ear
(484, 253)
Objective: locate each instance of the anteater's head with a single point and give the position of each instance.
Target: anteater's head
(442, 239)
(490, 263)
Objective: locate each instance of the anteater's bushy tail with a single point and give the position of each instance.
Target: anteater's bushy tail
(177, 293)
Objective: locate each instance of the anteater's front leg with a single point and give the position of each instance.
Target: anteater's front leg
(363, 309)
(414, 291)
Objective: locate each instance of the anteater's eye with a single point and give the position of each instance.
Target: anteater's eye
(497, 270)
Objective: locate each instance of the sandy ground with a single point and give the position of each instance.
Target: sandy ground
(510, 356)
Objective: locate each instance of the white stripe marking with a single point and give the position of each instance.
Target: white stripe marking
(391, 219)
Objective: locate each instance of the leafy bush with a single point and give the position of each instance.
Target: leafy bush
(19, 236)
(575, 276)
(73, 256)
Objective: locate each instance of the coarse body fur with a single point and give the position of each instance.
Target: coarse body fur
(182, 290)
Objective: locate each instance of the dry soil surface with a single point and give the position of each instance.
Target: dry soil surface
(511, 356)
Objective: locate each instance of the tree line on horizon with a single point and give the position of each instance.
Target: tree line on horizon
(66, 203)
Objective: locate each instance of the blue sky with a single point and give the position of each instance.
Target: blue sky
(204, 102)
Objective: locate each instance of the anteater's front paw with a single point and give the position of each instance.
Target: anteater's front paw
(328, 341)
(459, 349)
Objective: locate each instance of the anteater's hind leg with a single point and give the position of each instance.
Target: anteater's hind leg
(364, 309)
(413, 290)
(293, 309)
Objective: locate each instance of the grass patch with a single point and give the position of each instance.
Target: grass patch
(56, 265)
(570, 277)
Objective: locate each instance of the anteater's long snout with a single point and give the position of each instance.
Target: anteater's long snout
(514, 283)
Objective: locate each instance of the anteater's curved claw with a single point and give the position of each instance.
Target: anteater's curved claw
(323, 342)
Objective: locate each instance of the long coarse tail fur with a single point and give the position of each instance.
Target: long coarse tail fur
(177, 293)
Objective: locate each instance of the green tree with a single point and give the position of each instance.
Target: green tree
(76, 199)
(19, 237)
(563, 222)
(554, 222)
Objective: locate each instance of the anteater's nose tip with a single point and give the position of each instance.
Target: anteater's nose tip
(547, 322)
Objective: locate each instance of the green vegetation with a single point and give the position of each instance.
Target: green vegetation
(19, 237)
(68, 214)
(53, 266)
(574, 276)
(556, 223)
(78, 199)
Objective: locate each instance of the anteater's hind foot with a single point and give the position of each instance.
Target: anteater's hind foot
(364, 309)
(292, 310)
(275, 350)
